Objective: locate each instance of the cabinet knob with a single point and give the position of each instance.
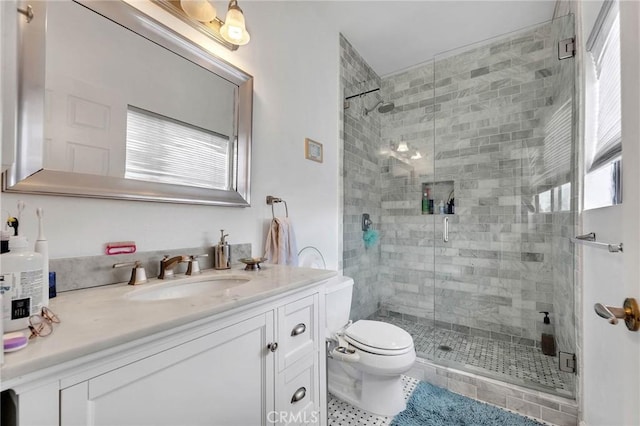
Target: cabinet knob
(298, 329)
(298, 395)
(273, 346)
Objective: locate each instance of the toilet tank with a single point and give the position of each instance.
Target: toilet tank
(338, 303)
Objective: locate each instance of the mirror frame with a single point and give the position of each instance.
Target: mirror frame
(27, 174)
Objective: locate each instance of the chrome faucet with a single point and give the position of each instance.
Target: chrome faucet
(167, 264)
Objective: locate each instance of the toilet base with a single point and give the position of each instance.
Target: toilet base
(381, 395)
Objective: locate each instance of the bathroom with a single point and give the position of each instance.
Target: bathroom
(295, 58)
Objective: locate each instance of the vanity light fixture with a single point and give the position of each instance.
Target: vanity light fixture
(200, 10)
(231, 33)
(234, 30)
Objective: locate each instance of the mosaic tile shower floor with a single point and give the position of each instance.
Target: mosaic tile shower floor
(510, 362)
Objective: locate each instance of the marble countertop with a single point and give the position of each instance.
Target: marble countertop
(103, 317)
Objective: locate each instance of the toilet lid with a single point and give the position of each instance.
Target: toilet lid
(379, 335)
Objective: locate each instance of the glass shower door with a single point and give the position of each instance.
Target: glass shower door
(504, 147)
(409, 203)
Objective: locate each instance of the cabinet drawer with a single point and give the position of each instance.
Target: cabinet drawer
(297, 398)
(297, 330)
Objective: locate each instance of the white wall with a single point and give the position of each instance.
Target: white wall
(294, 59)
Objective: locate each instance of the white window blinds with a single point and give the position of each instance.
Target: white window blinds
(604, 46)
(160, 149)
(557, 144)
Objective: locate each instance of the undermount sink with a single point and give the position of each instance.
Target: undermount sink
(179, 290)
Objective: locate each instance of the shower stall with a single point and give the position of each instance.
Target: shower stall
(466, 165)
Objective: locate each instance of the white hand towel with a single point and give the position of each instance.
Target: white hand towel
(280, 247)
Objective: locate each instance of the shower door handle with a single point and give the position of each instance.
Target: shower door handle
(445, 230)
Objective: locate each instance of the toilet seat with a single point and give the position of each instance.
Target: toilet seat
(378, 338)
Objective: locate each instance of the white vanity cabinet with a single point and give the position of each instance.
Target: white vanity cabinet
(261, 366)
(223, 378)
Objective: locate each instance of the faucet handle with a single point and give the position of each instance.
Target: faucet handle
(138, 274)
(194, 266)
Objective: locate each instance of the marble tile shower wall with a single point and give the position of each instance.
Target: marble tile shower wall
(361, 180)
(493, 107)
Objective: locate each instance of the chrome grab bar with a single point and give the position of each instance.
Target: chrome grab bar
(591, 236)
(590, 240)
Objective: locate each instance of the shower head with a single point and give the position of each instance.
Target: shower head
(384, 107)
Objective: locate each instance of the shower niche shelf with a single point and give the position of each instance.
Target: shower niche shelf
(435, 192)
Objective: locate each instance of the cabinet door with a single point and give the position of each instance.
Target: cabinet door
(297, 331)
(224, 378)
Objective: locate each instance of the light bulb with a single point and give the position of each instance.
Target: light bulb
(235, 32)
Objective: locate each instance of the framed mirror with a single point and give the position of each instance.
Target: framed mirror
(112, 104)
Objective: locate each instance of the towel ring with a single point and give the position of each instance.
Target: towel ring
(271, 200)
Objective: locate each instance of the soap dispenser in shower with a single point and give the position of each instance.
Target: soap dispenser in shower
(222, 253)
(547, 341)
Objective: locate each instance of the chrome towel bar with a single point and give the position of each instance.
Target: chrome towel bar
(590, 240)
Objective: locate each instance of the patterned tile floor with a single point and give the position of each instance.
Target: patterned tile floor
(510, 362)
(344, 414)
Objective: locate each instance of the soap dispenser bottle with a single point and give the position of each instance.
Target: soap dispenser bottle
(222, 253)
(548, 341)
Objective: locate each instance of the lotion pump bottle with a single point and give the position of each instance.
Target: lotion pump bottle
(548, 341)
(222, 253)
(22, 284)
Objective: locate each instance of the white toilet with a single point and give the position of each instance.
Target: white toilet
(366, 358)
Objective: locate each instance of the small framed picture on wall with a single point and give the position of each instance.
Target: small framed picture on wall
(312, 150)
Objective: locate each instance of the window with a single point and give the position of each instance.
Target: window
(161, 149)
(603, 186)
(604, 142)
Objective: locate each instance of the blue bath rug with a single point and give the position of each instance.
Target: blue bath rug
(430, 405)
